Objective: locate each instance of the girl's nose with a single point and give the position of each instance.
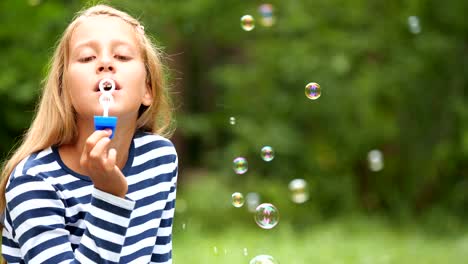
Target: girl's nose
(105, 68)
(105, 65)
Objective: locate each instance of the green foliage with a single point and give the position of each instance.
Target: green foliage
(382, 88)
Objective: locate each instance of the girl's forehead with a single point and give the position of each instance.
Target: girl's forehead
(102, 28)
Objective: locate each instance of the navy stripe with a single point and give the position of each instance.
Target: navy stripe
(161, 257)
(95, 257)
(163, 240)
(38, 212)
(110, 207)
(136, 254)
(166, 159)
(33, 232)
(49, 243)
(113, 227)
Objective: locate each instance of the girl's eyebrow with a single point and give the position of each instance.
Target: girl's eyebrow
(95, 44)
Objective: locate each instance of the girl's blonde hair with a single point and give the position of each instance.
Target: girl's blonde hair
(54, 122)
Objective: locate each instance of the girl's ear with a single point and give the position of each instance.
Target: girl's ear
(148, 96)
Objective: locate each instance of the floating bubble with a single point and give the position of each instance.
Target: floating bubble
(313, 90)
(232, 120)
(266, 12)
(375, 160)
(246, 252)
(263, 259)
(299, 190)
(240, 165)
(266, 216)
(413, 24)
(237, 199)
(253, 200)
(247, 23)
(268, 154)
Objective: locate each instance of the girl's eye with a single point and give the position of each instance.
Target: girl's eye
(122, 57)
(86, 59)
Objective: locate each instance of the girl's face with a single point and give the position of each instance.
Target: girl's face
(106, 47)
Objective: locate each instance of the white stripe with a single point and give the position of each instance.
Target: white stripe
(14, 252)
(29, 205)
(163, 249)
(151, 173)
(142, 259)
(44, 237)
(82, 258)
(33, 171)
(38, 221)
(103, 253)
(167, 214)
(29, 186)
(164, 231)
(104, 234)
(46, 254)
(147, 139)
(20, 166)
(150, 191)
(152, 154)
(147, 242)
(43, 153)
(136, 230)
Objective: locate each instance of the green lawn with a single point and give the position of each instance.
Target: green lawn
(340, 242)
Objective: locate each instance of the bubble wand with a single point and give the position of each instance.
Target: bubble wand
(105, 121)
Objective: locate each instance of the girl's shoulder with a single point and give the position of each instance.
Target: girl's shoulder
(142, 138)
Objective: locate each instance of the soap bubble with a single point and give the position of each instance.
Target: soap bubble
(266, 12)
(247, 23)
(240, 165)
(375, 160)
(237, 199)
(246, 252)
(413, 24)
(232, 120)
(266, 216)
(299, 191)
(263, 259)
(313, 90)
(268, 154)
(253, 200)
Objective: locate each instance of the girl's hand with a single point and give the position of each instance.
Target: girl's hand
(99, 163)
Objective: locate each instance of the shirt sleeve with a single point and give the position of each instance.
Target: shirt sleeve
(38, 222)
(162, 252)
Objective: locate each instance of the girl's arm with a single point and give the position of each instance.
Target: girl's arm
(37, 218)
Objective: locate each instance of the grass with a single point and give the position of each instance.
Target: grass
(346, 241)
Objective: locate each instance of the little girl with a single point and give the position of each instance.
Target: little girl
(70, 194)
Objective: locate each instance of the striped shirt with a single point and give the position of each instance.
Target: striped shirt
(55, 215)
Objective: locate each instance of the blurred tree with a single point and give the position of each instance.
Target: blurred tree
(389, 82)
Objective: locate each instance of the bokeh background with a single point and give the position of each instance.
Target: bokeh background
(394, 78)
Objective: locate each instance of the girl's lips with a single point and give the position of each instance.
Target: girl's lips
(117, 85)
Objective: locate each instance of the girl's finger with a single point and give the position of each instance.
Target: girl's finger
(94, 138)
(109, 163)
(100, 149)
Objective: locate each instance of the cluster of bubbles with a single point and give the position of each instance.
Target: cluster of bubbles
(267, 18)
(375, 160)
(266, 215)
